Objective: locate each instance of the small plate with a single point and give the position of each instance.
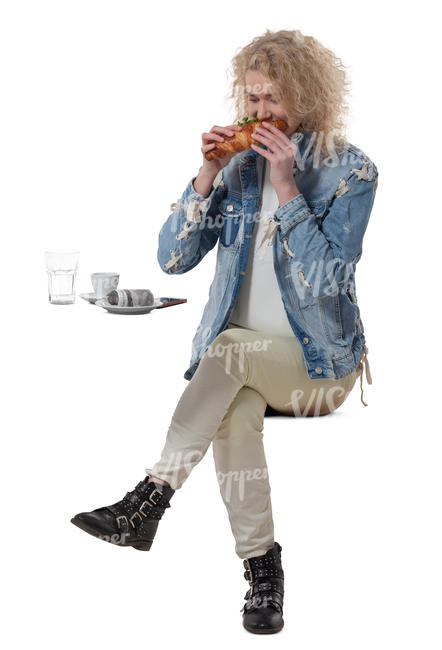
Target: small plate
(114, 309)
(90, 297)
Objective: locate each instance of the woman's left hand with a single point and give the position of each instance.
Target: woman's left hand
(281, 152)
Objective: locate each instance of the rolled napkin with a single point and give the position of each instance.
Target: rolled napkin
(130, 297)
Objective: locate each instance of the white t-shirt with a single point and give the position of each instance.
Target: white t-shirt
(259, 304)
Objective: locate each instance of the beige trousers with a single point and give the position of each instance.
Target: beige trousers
(224, 404)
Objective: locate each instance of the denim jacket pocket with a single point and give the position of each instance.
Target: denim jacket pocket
(319, 209)
(231, 210)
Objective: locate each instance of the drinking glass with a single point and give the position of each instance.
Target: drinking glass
(61, 267)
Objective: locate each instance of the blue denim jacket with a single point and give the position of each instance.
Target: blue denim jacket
(317, 242)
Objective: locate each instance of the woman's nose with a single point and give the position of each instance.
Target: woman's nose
(264, 114)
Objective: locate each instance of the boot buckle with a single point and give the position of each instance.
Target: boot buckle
(248, 573)
(145, 504)
(123, 517)
(136, 514)
(153, 499)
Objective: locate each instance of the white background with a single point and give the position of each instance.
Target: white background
(102, 112)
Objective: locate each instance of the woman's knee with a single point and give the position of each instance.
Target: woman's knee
(245, 416)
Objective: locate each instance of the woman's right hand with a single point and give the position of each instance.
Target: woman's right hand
(216, 133)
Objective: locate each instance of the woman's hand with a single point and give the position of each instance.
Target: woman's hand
(281, 152)
(212, 167)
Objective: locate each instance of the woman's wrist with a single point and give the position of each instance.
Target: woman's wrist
(286, 193)
(203, 183)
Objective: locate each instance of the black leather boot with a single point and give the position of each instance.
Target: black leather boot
(133, 521)
(263, 609)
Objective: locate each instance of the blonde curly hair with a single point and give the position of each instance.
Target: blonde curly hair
(307, 79)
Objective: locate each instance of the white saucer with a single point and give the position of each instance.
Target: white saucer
(90, 297)
(114, 309)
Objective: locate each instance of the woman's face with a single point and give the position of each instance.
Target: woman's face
(261, 103)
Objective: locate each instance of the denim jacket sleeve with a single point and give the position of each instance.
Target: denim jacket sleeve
(322, 253)
(189, 232)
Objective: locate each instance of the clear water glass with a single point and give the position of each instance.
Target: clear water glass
(61, 267)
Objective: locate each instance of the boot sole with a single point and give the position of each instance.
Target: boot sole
(269, 630)
(139, 546)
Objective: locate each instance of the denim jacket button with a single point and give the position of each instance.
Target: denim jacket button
(306, 340)
(230, 207)
(318, 370)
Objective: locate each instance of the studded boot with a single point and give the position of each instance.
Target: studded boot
(262, 613)
(133, 521)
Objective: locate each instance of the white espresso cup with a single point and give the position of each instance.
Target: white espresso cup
(104, 283)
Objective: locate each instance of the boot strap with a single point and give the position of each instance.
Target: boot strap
(263, 587)
(262, 572)
(266, 594)
(128, 516)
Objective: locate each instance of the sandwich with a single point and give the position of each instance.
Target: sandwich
(241, 140)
